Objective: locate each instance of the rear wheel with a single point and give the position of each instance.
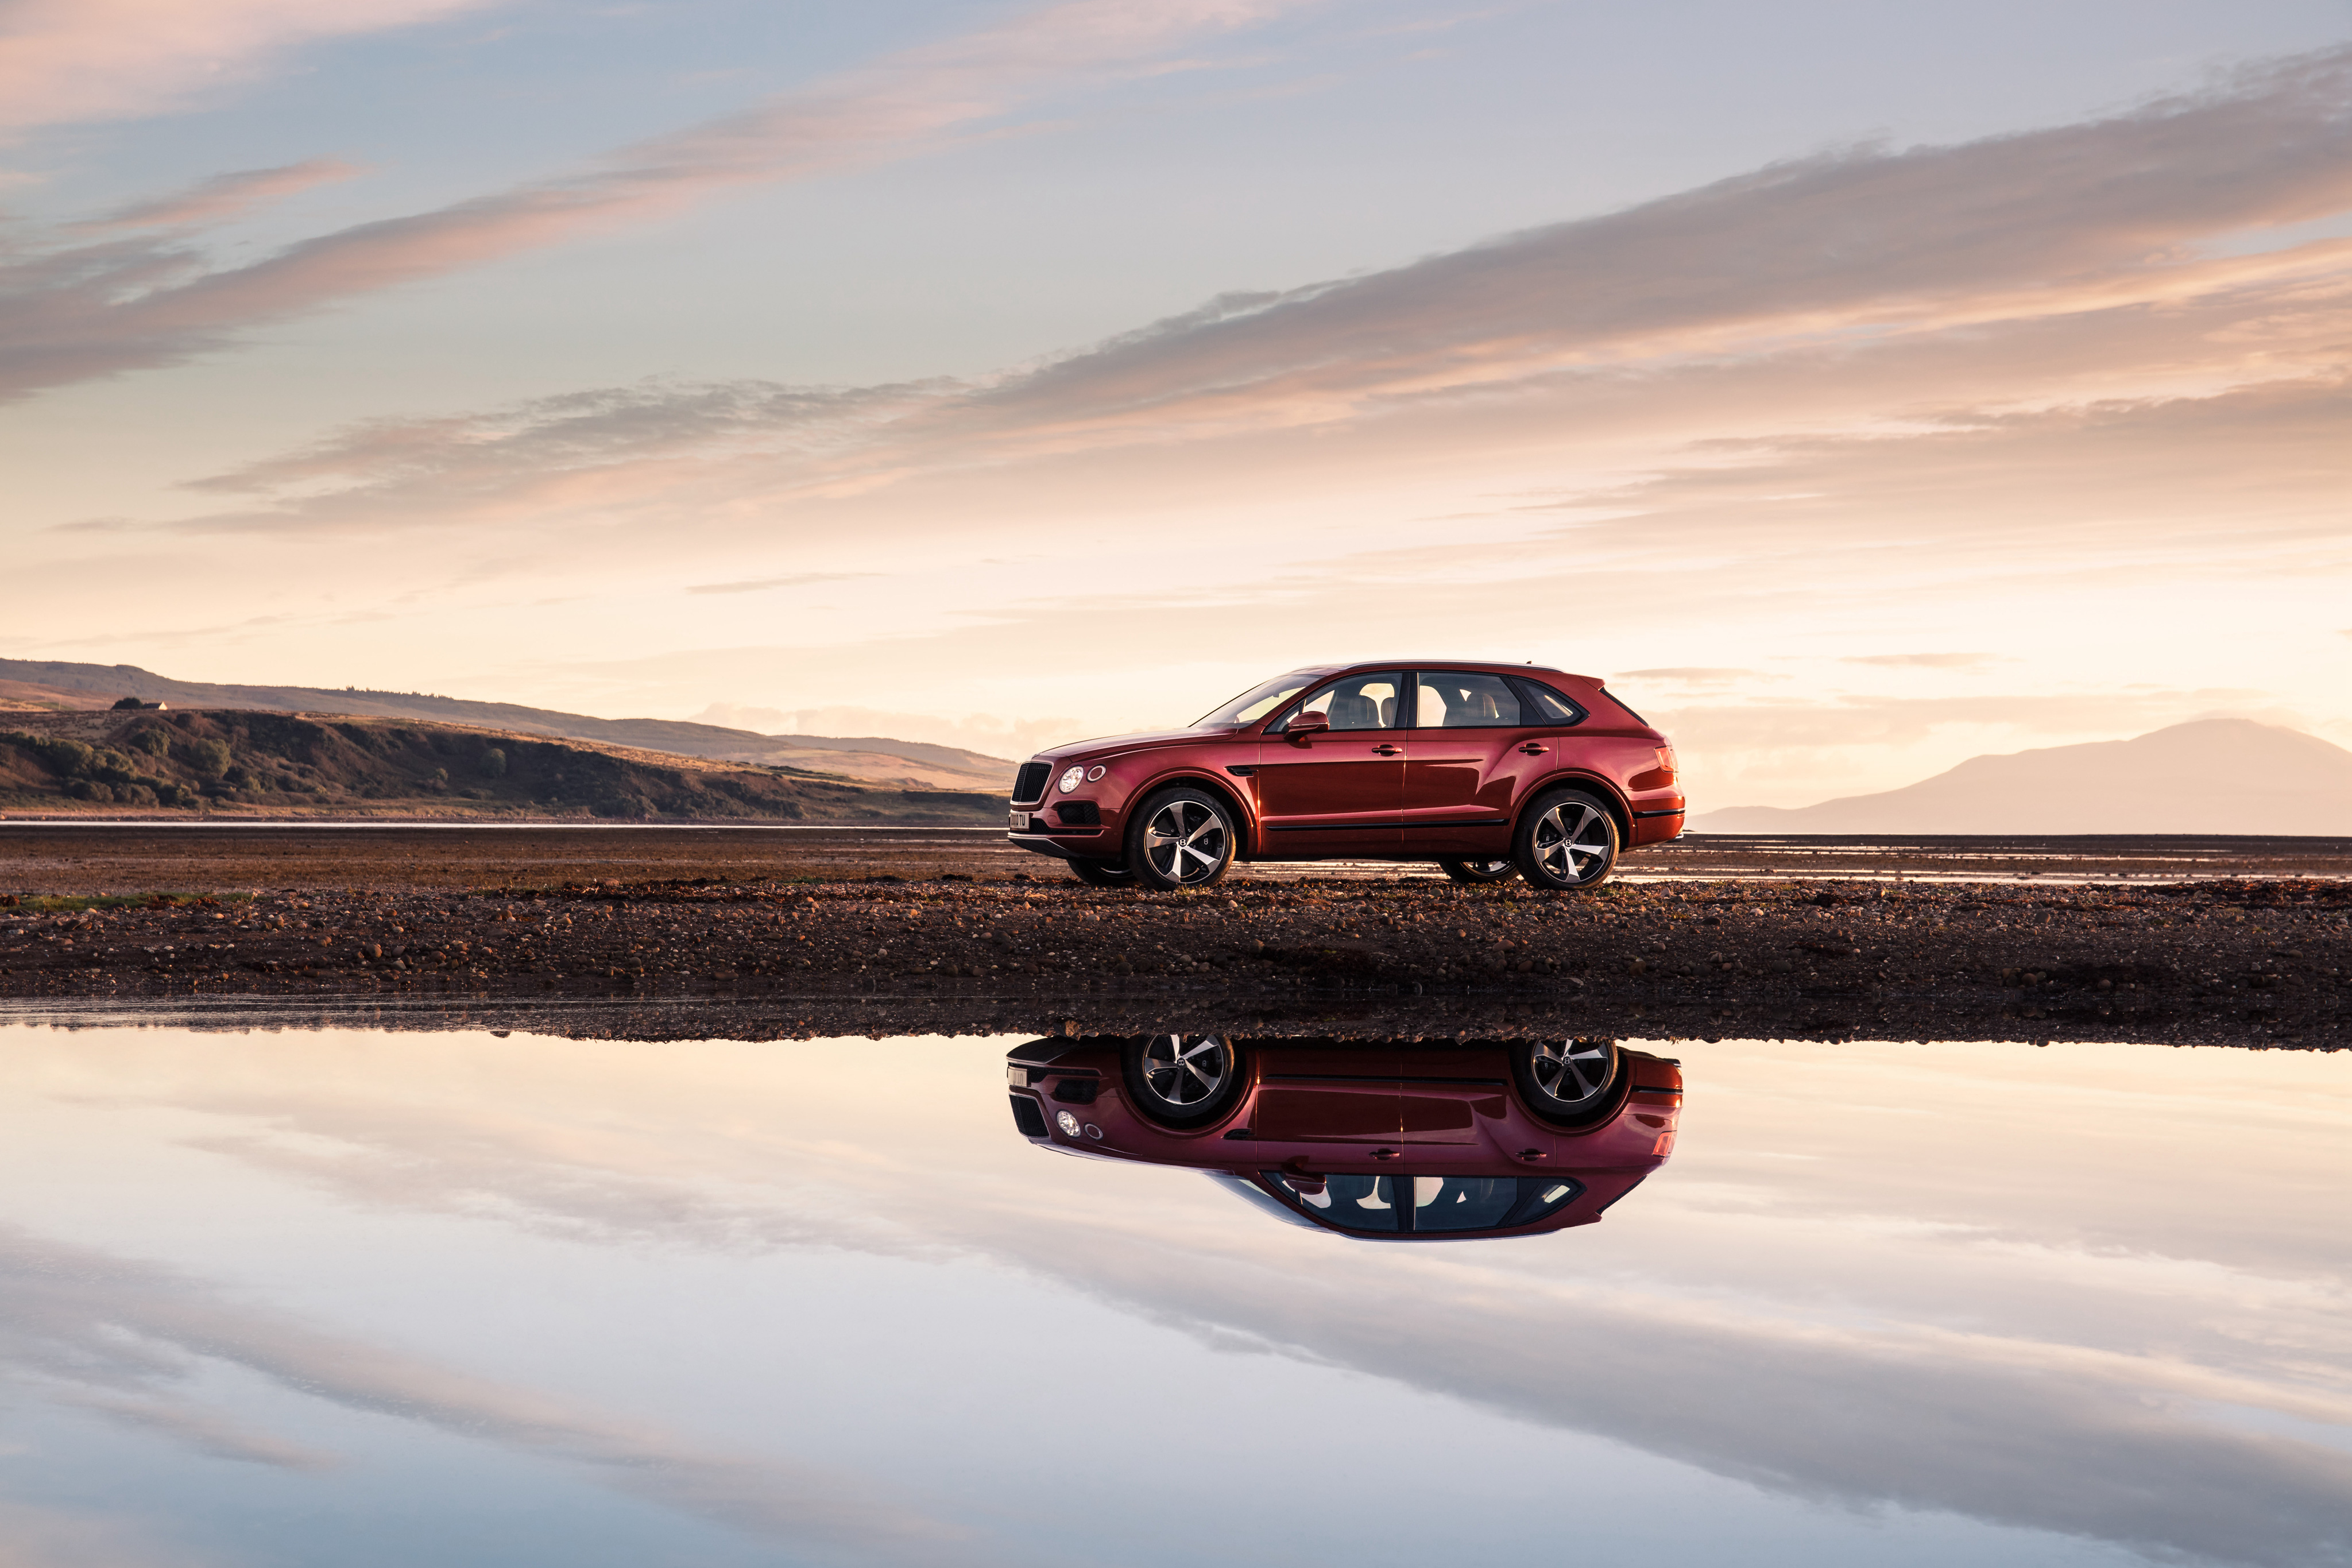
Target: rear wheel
(1476, 873)
(1102, 873)
(1566, 840)
(1567, 1080)
(1182, 838)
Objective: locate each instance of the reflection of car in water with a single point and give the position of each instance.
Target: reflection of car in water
(1393, 1142)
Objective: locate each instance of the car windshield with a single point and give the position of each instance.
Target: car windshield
(1257, 702)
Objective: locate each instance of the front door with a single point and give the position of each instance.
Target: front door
(1310, 1096)
(1339, 792)
(1473, 752)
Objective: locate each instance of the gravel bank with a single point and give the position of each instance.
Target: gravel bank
(2231, 961)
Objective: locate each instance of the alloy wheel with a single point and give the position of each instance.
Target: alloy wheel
(1186, 841)
(1186, 1071)
(1573, 842)
(1572, 1070)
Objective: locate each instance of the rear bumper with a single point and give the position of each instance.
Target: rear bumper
(1656, 827)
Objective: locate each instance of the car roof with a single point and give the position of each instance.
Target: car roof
(1498, 666)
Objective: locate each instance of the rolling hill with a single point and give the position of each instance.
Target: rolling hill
(2212, 776)
(37, 685)
(230, 762)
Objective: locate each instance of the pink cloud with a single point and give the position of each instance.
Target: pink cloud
(65, 61)
(73, 313)
(225, 197)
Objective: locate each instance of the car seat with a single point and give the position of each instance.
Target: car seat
(1354, 710)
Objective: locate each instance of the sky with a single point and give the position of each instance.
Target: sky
(1855, 388)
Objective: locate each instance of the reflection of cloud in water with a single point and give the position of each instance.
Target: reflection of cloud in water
(117, 1334)
(2003, 1354)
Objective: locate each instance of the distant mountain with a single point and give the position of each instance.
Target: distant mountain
(229, 762)
(32, 684)
(2214, 775)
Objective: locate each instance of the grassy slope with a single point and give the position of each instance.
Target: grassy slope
(252, 763)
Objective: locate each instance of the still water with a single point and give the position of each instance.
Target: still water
(372, 1298)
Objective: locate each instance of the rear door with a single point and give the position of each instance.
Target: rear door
(1342, 791)
(1475, 747)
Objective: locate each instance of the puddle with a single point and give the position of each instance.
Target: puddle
(351, 1295)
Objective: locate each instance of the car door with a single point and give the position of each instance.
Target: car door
(1307, 1096)
(1338, 791)
(1475, 747)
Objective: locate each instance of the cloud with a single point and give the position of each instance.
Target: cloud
(225, 195)
(36, 1537)
(71, 313)
(1922, 661)
(1700, 675)
(2023, 278)
(760, 584)
(64, 61)
(112, 1330)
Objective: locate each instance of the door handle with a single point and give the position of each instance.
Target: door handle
(1388, 750)
(1386, 1154)
(1532, 749)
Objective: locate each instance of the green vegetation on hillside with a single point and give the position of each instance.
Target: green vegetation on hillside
(281, 762)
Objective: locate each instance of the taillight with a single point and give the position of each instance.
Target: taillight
(1666, 762)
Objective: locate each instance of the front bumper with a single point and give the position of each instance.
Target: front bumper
(1036, 829)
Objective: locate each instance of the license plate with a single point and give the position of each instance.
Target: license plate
(1020, 820)
(1018, 1077)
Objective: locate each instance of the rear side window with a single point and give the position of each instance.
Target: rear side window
(1546, 706)
(1463, 699)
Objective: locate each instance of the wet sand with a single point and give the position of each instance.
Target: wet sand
(810, 931)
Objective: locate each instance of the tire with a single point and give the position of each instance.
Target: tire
(1567, 840)
(1102, 873)
(1569, 1082)
(1181, 838)
(1182, 1079)
(1479, 872)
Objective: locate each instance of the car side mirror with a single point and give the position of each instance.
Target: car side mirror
(1307, 725)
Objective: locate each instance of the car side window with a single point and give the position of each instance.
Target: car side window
(1545, 706)
(1358, 702)
(1459, 699)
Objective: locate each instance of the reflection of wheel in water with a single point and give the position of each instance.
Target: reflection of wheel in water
(1181, 839)
(1566, 840)
(1103, 873)
(1566, 1080)
(1477, 871)
(1182, 1079)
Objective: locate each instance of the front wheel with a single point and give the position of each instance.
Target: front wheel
(1181, 838)
(1478, 873)
(1566, 840)
(1182, 1079)
(1102, 873)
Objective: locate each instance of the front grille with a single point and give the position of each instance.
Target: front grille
(1028, 1116)
(1030, 783)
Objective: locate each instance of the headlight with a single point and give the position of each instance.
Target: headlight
(1094, 773)
(1073, 779)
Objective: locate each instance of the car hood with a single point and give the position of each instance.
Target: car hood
(1143, 740)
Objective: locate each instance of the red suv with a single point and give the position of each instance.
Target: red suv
(1405, 1142)
(1491, 770)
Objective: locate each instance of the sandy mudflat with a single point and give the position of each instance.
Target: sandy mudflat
(883, 931)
